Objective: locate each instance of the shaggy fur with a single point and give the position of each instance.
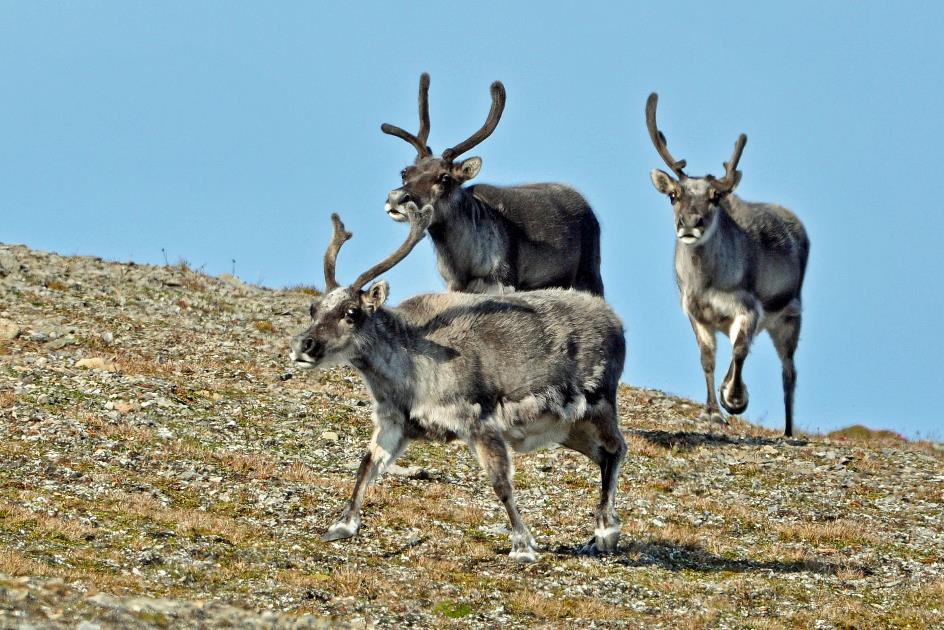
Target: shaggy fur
(516, 371)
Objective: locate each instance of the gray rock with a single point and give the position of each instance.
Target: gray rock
(9, 329)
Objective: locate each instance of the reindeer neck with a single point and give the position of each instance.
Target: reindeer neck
(382, 352)
(701, 264)
(469, 237)
(461, 211)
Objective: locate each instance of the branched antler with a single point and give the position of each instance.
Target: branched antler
(419, 221)
(658, 139)
(494, 115)
(331, 255)
(419, 140)
(731, 175)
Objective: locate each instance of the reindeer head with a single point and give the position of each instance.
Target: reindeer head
(341, 313)
(695, 200)
(430, 178)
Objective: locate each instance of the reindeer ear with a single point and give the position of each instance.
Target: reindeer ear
(375, 296)
(663, 181)
(467, 169)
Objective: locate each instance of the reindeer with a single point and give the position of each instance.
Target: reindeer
(739, 266)
(517, 371)
(491, 239)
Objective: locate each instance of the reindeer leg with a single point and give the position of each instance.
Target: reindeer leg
(786, 335)
(733, 391)
(387, 443)
(495, 456)
(601, 440)
(705, 337)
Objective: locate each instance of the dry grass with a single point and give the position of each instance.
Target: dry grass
(264, 326)
(564, 608)
(839, 532)
(864, 435)
(186, 521)
(13, 517)
(15, 563)
(304, 290)
(56, 285)
(250, 464)
(115, 430)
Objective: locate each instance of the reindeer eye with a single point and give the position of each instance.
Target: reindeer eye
(673, 197)
(444, 178)
(403, 174)
(351, 313)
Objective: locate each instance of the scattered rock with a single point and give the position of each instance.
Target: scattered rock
(60, 342)
(96, 363)
(9, 329)
(330, 436)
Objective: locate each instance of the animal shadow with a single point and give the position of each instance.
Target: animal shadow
(690, 440)
(675, 557)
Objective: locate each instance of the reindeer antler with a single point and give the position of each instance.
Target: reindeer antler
(658, 139)
(331, 254)
(419, 221)
(731, 175)
(419, 140)
(494, 115)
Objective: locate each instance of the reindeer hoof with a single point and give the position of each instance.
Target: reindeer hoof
(523, 549)
(734, 402)
(712, 416)
(524, 556)
(339, 531)
(606, 539)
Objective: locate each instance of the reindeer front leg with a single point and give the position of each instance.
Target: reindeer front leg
(387, 443)
(743, 328)
(495, 456)
(705, 336)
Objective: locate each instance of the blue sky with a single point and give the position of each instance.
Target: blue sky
(228, 130)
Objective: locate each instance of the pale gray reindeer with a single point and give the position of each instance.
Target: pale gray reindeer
(491, 239)
(739, 267)
(516, 371)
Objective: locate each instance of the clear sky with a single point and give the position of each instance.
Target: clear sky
(230, 130)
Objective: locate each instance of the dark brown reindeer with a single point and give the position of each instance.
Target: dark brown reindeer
(491, 239)
(739, 267)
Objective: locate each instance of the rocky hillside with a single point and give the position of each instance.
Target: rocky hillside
(163, 467)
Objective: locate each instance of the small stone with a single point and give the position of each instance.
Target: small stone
(9, 329)
(96, 363)
(107, 338)
(768, 450)
(123, 407)
(330, 436)
(8, 264)
(60, 343)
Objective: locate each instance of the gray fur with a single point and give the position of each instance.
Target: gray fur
(516, 371)
(739, 267)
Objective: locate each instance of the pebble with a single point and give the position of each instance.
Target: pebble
(96, 363)
(9, 329)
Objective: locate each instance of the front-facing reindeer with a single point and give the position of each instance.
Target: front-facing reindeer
(490, 239)
(516, 371)
(739, 267)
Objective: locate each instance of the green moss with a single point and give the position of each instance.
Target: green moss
(452, 609)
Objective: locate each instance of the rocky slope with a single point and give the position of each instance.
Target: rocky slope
(162, 467)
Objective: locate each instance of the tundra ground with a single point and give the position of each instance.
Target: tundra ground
(160, 468)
